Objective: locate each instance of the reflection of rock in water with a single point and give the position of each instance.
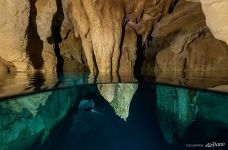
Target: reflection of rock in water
(212, 116)
(119, 96)
(178, 108)
(29, 119)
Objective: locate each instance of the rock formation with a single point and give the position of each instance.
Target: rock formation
(103, 36)
(13, 39)
(176, 111)
(216, 17)
(179, 108)
(182, 43)
(45, 17)
(119, 96)
(29, 119)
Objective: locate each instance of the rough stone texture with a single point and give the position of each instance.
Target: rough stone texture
(71, 45)
(178, 30)
(207, 54)
(119, 96)
(46, 9)
(216, 17)
(128, 52)
(14, 19)
(183, 43)
(99, 25)
(72, 53)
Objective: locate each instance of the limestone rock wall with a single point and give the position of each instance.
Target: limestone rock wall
(14, 20)
(46, 9)
(216, 17)
(73, 35)
(183, 43)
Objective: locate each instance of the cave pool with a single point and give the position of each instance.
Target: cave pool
(77, 112)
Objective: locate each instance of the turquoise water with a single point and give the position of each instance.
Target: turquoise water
(73, 114)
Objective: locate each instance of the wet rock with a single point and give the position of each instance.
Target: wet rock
(179, 108)
(212, 116)
(176, 110)
(119, 96)
(26, 120)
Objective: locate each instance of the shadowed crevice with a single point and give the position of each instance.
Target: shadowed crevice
(140, 58)
(35, 44)
(56, 38)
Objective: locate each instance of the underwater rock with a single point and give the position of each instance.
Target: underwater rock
(30, 103)
(212, 116)
(26, 120)
(179, 108)
(119, 96)
(176, 110)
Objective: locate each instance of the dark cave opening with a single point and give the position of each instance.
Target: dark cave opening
(35, 44)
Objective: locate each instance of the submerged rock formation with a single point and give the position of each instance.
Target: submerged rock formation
(176, 111)
(26, 120)
(119, 96)
(179, 108)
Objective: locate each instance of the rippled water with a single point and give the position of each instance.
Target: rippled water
(86, 113)
(23, 83)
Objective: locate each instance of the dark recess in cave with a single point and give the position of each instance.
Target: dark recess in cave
(140, 58)
(172, 6)
(56, 38)
(35, 44)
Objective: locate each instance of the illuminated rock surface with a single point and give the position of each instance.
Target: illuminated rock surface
(216, 17)
(119, 96)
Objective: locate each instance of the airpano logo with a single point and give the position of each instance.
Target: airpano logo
(207, 145)
(215, 144)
